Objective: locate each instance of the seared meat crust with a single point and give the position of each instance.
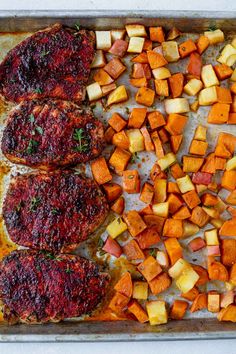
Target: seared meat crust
(49, 134)
(37, 287)
(53, 211)
(54, 62)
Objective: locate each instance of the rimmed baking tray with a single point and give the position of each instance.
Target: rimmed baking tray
(198, 328)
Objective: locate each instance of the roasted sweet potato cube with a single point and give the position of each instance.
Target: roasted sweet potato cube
(160, 283)
(175, 202)
(134, 222)
(118, 206)
(173, 249)
(227, 314)
(156, 60)
(119, 159)
(102, 77)
(228, 247)
(157, 34)
(202, 44)
(145, 96)
(192, 164)
(133, 251)
(203, 274)
(164, 135)
(199, 303)
(148, 237)
(137, 117)
(223, 71)
(187, 48)
(209, 199)
(118, 303)
(182, 213)
(154, 220)
(109, 133)
(147, 193)
(131, 181)
(156, 119)
(176, 82)
(121, 140)
(124, 285)
(100, 171)
(160, 186)
(112, 191)
(173, 228)
(149, 146)
(198, 147)
(162, 87)
(136, 309)
(117, 122)
(229, 180)
(149, 268)
(219, 113)
(175, 142)
(217, 271)
(191, 294)
(223, 95)
(176, 123)
(114, 68)
(172, 187)
(199, 217)
(178, 309)
(176, 171)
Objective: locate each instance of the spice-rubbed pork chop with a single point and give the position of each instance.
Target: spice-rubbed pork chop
(37, 287)
(53, 211)
(48, 134)
(54, 62)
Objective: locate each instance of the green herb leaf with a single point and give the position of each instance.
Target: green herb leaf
(32, 146)
(39, 130)
(55, 211)
(77, 26)
(100, 243)
(81, 139)
(152, 252)
(130, 177)
(68, 270)
(31, 118)
(19, 206)
(127, 110)
(212, 28)
(38, 90)
(44, 53)
(34, 203)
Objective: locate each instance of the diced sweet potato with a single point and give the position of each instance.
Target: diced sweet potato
(178, 309)
(118, 303)
(140, 58)
(227, 314)
(172, 187)
(176, 82)
(157, 34)
(160, 283)
(187, 48)
(156, 60)
(182, 213)
(154, 220)
(192, 164)
(118, 206)
(148, 237)
(209, 165)
(141, 82)
(119, 159)
(134, 222)
(219, 113)
(124, 285)
(147, 193)
(137, 117)
(175, 202)
(229, 180)
(223, 96)
(198, 147)
(192, 199)
(175, 142)
(227, 298)
(199, 217)
(199, 303)
(203, 274)
(114, 68)
(232, 275)
(156, 119)
(145, 96)
(217, 271)
(173, 228)
(209, 199)
(117, 122)
(173, 249)
(223, 71)
(136, 309)
(112, 191)
(149, 268)
(141, 71)
(102, 77)
(100, 170)
(160, 186)
(156, 173)
(231, 198)
(162, 88)
(121, 140)
(147, 139)
(109, 133)
(228, 228)
(194, 67)
(202, 44)
(133, 251)
(164, 135)
(131, 181)
(191, 295)
(228, 247)
(176, 171)
(176, 123)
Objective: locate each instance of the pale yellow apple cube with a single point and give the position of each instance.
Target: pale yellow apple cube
(185, 184)
(140, 290)
(103, 40)
(166, 161)
(136, 30)
(208, 75)
(116, 227)
(176, 105)
(117, 96)
(136, 141)
(170, 51)
(193, 87)
(208, 96)
(161, 73)
(216, 36)
(157, 312)
(135, 45)
(231, 164)
(187, 280)
(161, 209)
(94, 91)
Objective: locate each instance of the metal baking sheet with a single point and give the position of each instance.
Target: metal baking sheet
(200, 325)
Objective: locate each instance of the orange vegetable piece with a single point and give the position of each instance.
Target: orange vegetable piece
(178, 309)
(228, 247)
(182, 213)
(231, 198)
(118, 302)
(187, 48)
(149, 268)
(232, 276)
(227, 314)
(147, 44)
(198, 147)
(176, 123)
(141, 71)
(133, 251)
(175, 202)
(141, 58)
(119, 159)
(192, 199)
(141, 82)
(228, 228)
(124, 286)
(146, 210)
(112, 191)
(157, 173)
(114, 68)
(134, 222)
(219, 113)
(194, 67)
(203, 274)
(228, 180)
(158, 145)
(136, 309)
(176, 171)
(147, 139)
(148, 237)
(176, 82)
(223, 95)
(155, 220)
(209, 165)
(199, 303)
(156, 60)
(232, 118)
(202, 44)
(223, 71)
(160, 190)
(162, 87)
(209, 199)
(173, 249)
(192, 163)
(199, 217)
(121, 140)
(145, 96)
(109, 133)
(164, 135)
(228, 140)
(118, 206)
(191, 294)
(117, 122)
(175, 142)
(147, 193)
(172, 187)
(160, 283)
(100, 171)
(157, 34)
(137, 117)
(217, 271)
(173, 228)
(131, 181)
(220, 163)
(156, 119)
(102, 77)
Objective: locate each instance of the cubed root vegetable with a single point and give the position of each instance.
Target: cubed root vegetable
(100, 171)
(228, 228)
(199, 303)
(160, 283)
(118, 303)
(133, 251)
(136, 309)
(178, 309)
(134, 222)
(112, 247)
(148, 237)
(112, 191)
(228, 314)
(124, 285)
(149, 268)
(217, 271)
(145, 96)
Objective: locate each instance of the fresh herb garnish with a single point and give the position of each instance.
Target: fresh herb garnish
(82, 140)
(68, 270)
(19, 206)
(77, 26)
(161, 98)
(134, 158)
(127, 110)
(152, 252)
(100, 243)
(212, 28)
(31, 118)
(34, 203)
(130, 177)
(32, 146)
(39, 130)
(38, 90)
(55, 211)
(44, 53)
